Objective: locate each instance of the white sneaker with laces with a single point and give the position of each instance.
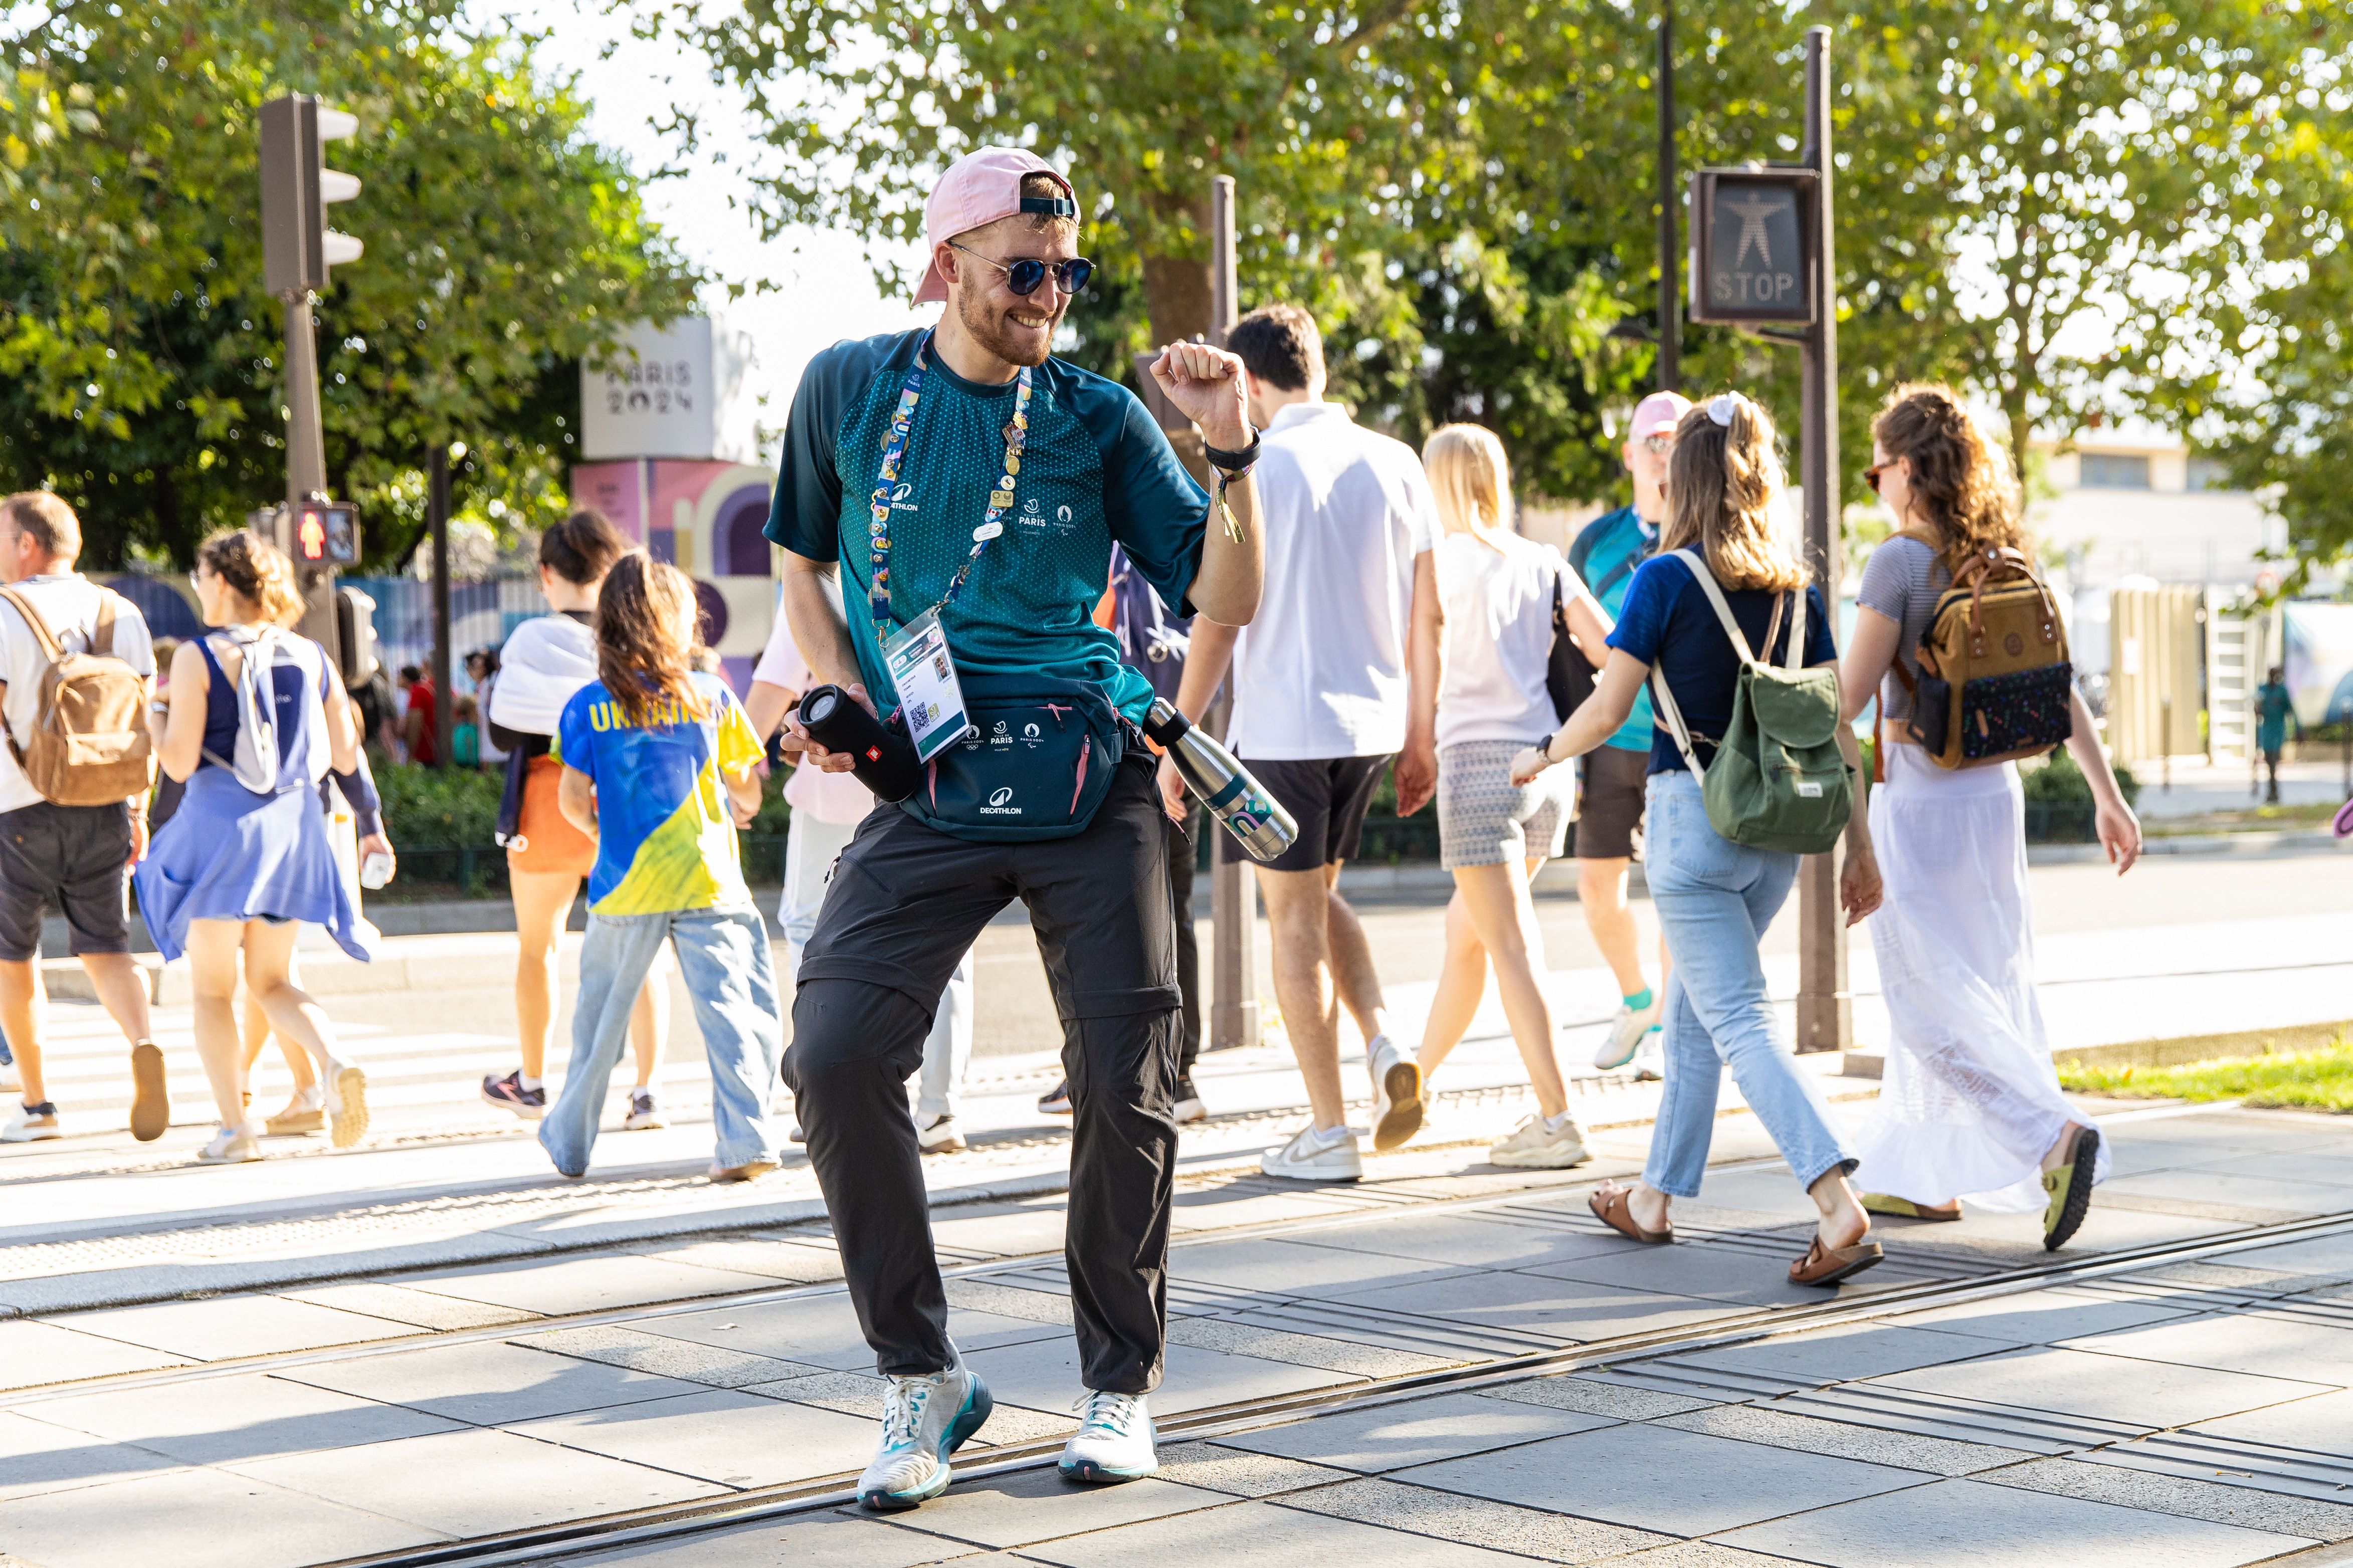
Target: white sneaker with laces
(1113, 1442)
(924, 1419)
(1534, 1143)
(1397, 1093)
(231, 1146)
(1626, 1031)
(1314, 1156)
(938, 1135)
(31, 1124)
(645, 1113)
(1651, 1059)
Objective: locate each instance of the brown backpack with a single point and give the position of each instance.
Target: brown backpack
(1995, 680)
(90, 745)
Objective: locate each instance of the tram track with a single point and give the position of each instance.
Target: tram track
(544, 1544)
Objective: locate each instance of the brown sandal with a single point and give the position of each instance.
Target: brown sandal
(1614, 1212)
(1826, 1266)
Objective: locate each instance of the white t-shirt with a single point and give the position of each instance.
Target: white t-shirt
(543, 664)
(837, 798)
(1498, 638)
(69, 602)
(1321, 672)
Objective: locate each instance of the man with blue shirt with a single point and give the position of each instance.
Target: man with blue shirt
(964, 473)
(1610, 814)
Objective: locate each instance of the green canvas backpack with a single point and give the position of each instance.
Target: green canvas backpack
(1778, 782)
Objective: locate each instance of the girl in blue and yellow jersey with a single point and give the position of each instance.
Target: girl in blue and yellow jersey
(658, 768)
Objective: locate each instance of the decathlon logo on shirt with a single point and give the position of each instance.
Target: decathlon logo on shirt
(997, 799)
(899, 501)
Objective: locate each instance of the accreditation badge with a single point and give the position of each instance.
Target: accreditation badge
(930, 698)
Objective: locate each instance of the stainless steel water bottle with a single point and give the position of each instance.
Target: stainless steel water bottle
(1225, 786)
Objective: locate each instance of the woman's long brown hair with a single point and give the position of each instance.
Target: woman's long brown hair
(1721, 482)
(645, 641)
(1962, 477)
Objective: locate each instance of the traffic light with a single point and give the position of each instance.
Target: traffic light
(319, 534)
(296, 248)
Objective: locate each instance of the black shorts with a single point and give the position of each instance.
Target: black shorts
(1608, 824)
(80, 854)
(1327, 797)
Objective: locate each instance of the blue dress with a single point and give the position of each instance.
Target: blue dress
(229, 854)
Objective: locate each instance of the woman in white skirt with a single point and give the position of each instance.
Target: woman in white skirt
(1969, 1110)
(1498, 590)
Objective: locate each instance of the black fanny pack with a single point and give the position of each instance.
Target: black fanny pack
(1043, 760)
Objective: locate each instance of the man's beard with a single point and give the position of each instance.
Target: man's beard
(985, 326)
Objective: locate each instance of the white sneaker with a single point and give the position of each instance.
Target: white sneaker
(1536, 1143)
(231, 1146)
(645, 1113)
(1113, 1442)
(1313, 1157)
(938, 1135)
(347, 1106)
(31, 1124)
(924, 1419)
(1626, 1031)
(9, 1082)
(1397, 1094)
(1651, 1059)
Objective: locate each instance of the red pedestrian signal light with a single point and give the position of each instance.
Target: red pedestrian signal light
(320, 534)
(311, 535)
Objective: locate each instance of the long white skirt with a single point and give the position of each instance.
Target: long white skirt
(1970, 1100)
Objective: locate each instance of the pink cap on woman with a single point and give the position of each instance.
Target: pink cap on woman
(978, 188)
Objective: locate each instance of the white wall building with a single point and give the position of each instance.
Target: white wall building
(2133, 502)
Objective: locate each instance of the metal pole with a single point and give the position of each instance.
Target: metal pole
(436, 521)
(306, 462)
(1670, 328)
(1233, 891)
(1825, 1004)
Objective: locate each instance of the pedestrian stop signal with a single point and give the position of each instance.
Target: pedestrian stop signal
(320, 534)
(1754, 245)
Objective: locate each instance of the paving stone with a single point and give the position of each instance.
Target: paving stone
(475, 1483)
(2103, 1387)
(219, 1420)
(822, 1330)
(1839, 1356)
(36, 1456)
(2256, 1341)
(2223, 1503)
(833, 1538)
(1464, 1240)
(812, 1262)
(2210, 1185)
(1717, 1274)
(33, 1355)
(663, 1357)
(735, 1439)
(1015, 1425)
(196, 1519)
(1476, 1522)
(1696, 1554)
(1972, 1524)
(1569, 1309)
(487, 1383)
(228, 1327)
(1302, 1350)
(418, 1309)
(1027, 1506)
(1224, 1207)
(1780, 1429)
(1611, 1399)
(1223, 1469)
(1417, 1432)
(2321, 1424)
(1044, 1375)
(597, 1282)
(2320, 1255)
(1006, 1302)
(1262, 1532)
(1011, 1230)
(2039, 1317)
(1653, 1477)
(2225, 1275)
(851, 1392)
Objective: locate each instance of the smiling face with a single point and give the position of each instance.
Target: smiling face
(1017, 329)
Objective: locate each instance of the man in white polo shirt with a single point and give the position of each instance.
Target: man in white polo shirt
(1350, 618)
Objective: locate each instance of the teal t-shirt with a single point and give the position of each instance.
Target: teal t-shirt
(665, 832)
(2273, 707)
(1604, 557)
(1096, 471)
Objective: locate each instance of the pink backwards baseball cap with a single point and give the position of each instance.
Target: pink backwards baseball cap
(1660, 411)
(978, 188)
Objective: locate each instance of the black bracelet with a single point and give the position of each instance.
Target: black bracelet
(1222, 458)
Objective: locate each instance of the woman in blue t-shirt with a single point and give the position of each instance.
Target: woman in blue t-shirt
(1715, 898)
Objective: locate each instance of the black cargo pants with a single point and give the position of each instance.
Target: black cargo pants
(904, 903)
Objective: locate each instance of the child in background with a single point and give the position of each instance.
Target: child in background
(466, 733)
(660, 767)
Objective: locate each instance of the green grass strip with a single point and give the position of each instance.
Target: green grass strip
(2320, 1080)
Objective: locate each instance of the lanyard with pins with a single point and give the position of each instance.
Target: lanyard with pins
(894, 451)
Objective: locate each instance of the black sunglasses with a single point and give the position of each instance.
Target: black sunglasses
(1024, 275)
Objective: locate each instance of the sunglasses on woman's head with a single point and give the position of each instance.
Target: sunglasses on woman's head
(1024, 275)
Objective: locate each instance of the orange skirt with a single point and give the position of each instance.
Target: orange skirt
(552, 846)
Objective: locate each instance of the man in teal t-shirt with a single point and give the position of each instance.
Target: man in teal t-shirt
(1616, 775)
(2273, 709)
(906, 459)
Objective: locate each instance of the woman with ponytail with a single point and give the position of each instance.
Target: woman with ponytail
(1971, 1108)
(1715, 898)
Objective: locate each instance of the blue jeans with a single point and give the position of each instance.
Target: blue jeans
(723, 957)
(1714, 899)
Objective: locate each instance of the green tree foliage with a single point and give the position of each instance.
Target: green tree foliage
(140, 359)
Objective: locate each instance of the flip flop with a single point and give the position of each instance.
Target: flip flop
(1905, 1208)
(2069, 1188)
(1614, 1212)
(1827, 1266)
